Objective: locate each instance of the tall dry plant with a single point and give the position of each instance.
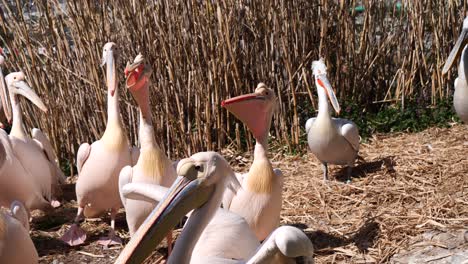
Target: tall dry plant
(205, 51)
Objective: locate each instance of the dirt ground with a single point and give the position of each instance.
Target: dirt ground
(405, 186)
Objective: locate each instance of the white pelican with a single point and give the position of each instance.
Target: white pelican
(153, 165)
(211, 234)
(99, 164)
(332, 140)
(29, 157)
(259, 200)
(460, 97)
(15, 244)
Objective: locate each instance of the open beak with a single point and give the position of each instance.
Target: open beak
(110, 71)
(4, 97)
(455, 53)
(186, 193)
(26, 91)
(251, 109)
(322, 80)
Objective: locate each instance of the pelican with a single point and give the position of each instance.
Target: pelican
(460, 97)
(332, 140)
(259, 200)
(16, 182)
(15, 244)
(153, 166)
(211, 234)
(30, 157)
(99, 164)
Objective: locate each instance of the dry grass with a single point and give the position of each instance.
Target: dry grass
(408, 184)
(203, 52)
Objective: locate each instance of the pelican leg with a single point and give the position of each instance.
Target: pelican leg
(75, 235)
(112, 238)
(348, 173)
(325, 171)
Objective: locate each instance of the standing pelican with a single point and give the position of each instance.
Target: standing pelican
(153, 165)
(259, 200)
(460, 97)
(35, 154)
(99, 164)
(211, 234)
(15, 244)
(332, 140)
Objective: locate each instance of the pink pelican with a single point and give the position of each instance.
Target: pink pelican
(259, 199)
(15, 244)
(332, 140)
(99, 164)
(153, 165)
(211, 234)
(32, 161)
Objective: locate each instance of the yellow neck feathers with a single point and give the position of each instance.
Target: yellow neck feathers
(114, 137)
(261, 178)
(153, 163)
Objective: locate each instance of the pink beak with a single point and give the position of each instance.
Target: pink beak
(251, 110)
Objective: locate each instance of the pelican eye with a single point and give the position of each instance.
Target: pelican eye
(198, 168)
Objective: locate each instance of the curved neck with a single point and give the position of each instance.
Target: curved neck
(17, 128)
(324, 106)
(266, 252)
(194, 227)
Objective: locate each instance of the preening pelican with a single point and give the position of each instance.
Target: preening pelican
(259, 200)
(332, 140)
(30, 171)
(99, 164)
(211, 234)
(15, 244)
(153, 165)
(460, 97)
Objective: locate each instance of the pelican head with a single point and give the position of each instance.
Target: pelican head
(17, 85)
(137, 73)
(4, 93)
(323, 85)
(137, 77)
(456, 51)
(198, 178)
(110, 55)
(254, 109)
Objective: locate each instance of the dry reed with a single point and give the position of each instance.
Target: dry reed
(205, 51)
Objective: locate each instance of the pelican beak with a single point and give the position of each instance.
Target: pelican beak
(323, 82)
(456, 51)
(186, 193)
(23, 88)
(4, 95)
(108, 59)
(252, 110)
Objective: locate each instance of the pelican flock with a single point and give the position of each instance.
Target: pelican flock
(200, 185)
(232, 217)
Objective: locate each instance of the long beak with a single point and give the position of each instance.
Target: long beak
(322, 80)
(26, 91)
(110, 72)
(455, 53)
(4, 97)
(251, 110)
(184, 196)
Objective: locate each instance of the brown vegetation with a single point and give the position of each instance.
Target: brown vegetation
(203, 52)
